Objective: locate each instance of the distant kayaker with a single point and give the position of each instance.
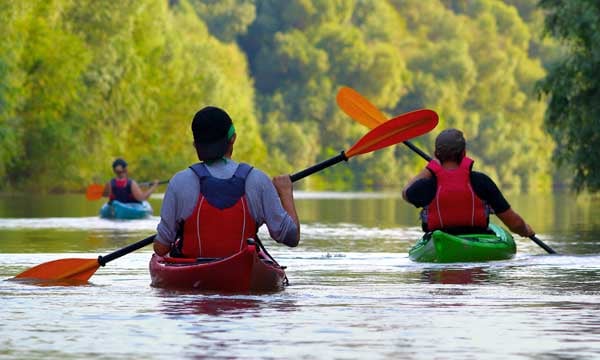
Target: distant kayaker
(124, 189)
(456, 199)
(213, 207)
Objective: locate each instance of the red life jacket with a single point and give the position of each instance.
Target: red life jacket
(120, 190)
(455, 203)
(221, 222)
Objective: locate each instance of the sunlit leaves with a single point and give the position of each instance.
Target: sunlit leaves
(130, 74)
(99, 79)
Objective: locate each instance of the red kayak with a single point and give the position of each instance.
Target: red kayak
(247, 271)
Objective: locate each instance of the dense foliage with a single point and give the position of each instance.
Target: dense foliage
(82, 82)
(86, 81)
(573, 115)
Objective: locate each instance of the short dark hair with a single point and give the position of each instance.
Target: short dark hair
(119, 162)
(450, 145)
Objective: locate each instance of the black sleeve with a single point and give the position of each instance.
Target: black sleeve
(487, 190)
(421, 192)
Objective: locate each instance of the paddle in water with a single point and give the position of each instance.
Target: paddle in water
(78, 269)
(391, 132)
(95, 191)
(363, 111)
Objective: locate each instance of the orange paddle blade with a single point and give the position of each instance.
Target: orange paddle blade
(396, 130)
(64, 269)
(94, 192)
(359, 108)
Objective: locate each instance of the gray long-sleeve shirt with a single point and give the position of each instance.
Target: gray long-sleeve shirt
(264, 203)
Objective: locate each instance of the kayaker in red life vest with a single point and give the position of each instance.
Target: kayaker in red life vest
(455, 198)
(213, 207)
(123, 189)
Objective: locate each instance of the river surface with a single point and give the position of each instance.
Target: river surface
(353, 293)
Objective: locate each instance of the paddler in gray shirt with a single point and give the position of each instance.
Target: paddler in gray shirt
(214, 206)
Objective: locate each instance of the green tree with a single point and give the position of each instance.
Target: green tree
(474, 69)
(226, 19)
(126, 82)
(573, 115)
(130, 75)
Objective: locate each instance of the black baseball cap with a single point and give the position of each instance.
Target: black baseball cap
(212, 128)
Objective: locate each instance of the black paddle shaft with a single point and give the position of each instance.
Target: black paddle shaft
(417, 150)
(548, 249)
(148, 183)
(102, 260)
(318, 167)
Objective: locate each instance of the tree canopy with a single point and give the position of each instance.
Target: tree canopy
(573, 115)
(82, 82)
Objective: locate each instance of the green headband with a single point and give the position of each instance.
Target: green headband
(230, 132)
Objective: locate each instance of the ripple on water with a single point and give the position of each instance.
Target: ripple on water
(354, 294)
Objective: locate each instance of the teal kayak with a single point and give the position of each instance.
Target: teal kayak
(118, 210)
(441, 247)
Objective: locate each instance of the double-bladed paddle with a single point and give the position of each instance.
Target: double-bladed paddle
(95, 191)
(360, 109)
(78, 269)
(363, 111)
(391, 132)
(388, 133)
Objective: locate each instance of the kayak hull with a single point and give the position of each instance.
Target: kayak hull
(441, 247)
(246, 271)
(118, 210)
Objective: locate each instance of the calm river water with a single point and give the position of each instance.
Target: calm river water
(354, 293)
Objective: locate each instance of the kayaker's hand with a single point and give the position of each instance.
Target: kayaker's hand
(528, 231)
(285, 189)
(161, 249)
(283, 185)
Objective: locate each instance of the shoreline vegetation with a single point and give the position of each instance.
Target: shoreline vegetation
(130, 74)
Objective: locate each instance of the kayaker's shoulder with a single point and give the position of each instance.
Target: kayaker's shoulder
(258, 174)
(258, 180)
(184, 176)
(484, 185)
(479, 176)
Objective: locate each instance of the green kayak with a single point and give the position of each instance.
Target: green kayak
(441, 247)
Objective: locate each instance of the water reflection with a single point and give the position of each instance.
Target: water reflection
(569, 224)
(474, 275)
(355, 293)
(176, 303)
(63, 241)
(49, 282)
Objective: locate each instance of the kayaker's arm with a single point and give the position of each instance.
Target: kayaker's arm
(284, 187)
(488, 191)
(424, 174)
(140, 195)
(515, 223)
(166, 230)
(106, 192)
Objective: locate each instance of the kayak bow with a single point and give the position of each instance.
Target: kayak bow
(250, 270)
(441, 247)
